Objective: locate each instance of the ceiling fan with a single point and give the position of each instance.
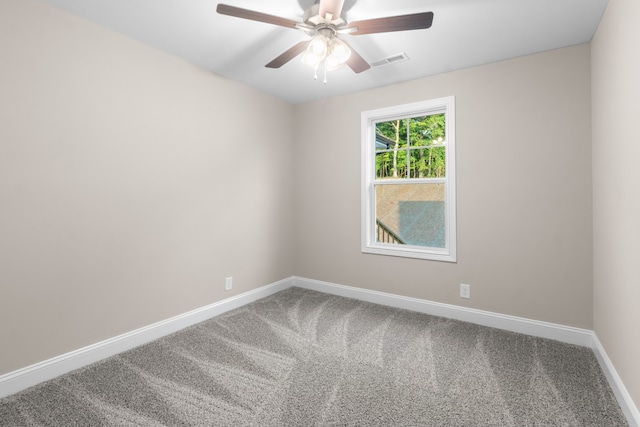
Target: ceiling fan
(323, 23)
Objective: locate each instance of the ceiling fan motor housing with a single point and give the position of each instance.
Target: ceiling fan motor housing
(312, 17)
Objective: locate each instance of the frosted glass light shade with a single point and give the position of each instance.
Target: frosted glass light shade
(339, 53)
(316, 51)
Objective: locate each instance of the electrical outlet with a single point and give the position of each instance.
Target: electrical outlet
(228, 283)
(465, 291)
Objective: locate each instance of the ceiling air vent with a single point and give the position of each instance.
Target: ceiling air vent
(390, 59)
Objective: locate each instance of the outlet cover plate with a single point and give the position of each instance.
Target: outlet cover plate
(465, 291)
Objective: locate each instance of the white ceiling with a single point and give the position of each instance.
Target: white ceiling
(465, 33)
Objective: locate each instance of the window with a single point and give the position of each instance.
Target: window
(408, 182)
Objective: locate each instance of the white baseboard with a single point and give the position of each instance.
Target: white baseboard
(535, 328)
(624, 399)
(24, 378)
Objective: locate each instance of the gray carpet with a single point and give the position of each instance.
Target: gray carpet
(305, 358)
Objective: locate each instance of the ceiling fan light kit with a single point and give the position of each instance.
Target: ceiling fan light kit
(323, 23)
(325, 48)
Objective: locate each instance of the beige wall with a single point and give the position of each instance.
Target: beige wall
(616, 188)
(130, 185)
(524, 190)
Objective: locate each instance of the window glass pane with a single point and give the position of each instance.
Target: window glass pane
(428, 162)
(384, 143)
(395, 137)
(391, 135)
(391, 164)
(412, 214)
(427, 130)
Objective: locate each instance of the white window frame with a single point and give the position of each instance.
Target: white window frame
(369, 119)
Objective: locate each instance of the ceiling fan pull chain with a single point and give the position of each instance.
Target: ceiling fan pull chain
(325, 71)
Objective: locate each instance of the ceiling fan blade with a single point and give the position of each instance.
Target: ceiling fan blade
(416, 21)
(288, 55)
(357, 62)
(334, 7)
(225, 9)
